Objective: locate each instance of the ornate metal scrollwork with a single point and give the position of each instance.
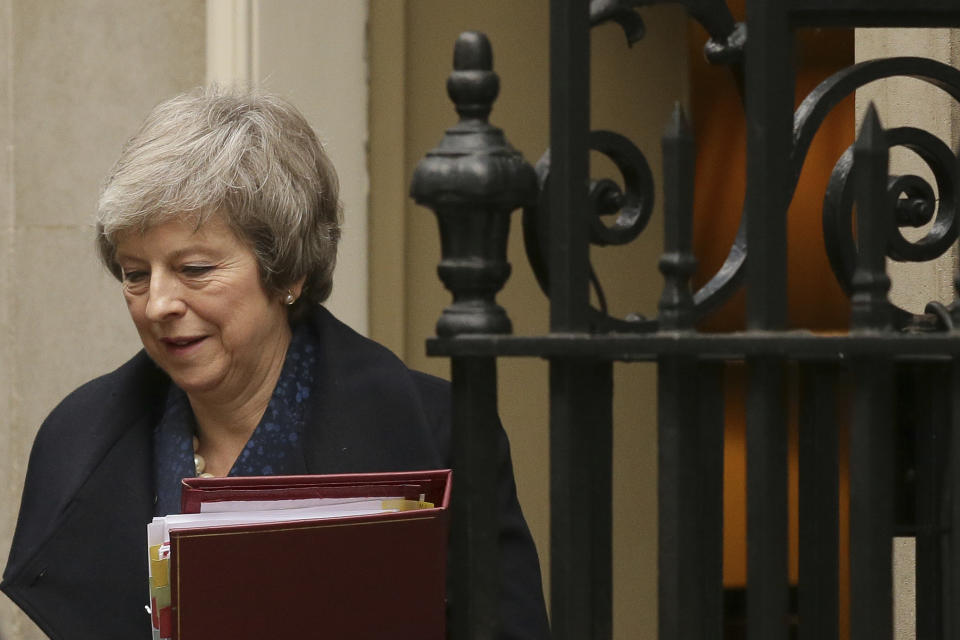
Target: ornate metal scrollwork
(726, 36)
(632, 205)
(726, 46)
(914, 202)
(914, 205)
(623, 12)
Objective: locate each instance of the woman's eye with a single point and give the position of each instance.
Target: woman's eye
(136, 282)
(194, 270)
(134, 276)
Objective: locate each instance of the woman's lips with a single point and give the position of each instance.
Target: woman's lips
(181, 346)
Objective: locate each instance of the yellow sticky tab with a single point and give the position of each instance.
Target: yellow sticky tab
(162, 596)
(406, 505)
(159, 568)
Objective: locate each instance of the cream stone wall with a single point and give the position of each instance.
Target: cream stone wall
(14, 440)
(314, 52)
(908, 102)
(76, 78)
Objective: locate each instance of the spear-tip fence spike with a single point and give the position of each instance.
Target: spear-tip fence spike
(870, 137)
(678, 127)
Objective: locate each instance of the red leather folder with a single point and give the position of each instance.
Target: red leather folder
(370, 576)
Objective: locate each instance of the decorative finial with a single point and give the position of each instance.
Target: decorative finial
(473, 180)
(473, 86)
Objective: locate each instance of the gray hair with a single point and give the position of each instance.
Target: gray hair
(248, 156)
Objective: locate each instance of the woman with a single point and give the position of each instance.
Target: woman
(221, 220)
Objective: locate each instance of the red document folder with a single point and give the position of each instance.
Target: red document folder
(370, 576)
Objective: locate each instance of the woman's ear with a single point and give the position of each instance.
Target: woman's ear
(297, 287)
(294, 291)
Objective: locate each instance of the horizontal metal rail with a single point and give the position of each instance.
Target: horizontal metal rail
(798, 345)
(876, 13)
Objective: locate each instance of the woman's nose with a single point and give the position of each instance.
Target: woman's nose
(164, 299)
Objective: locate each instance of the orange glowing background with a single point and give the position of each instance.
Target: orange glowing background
(815, 300)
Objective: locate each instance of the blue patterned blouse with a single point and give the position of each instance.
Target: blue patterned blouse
(274, 448)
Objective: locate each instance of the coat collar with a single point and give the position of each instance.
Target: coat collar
(366, 410)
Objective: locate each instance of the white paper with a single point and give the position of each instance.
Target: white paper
(339, 509)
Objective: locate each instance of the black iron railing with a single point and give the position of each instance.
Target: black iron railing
(900, 368)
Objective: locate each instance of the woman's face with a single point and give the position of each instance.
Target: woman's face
(196, 299)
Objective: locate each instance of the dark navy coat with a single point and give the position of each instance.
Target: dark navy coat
(77, 563)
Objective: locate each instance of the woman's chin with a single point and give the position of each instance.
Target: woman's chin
(193, 381)
(194, 385)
